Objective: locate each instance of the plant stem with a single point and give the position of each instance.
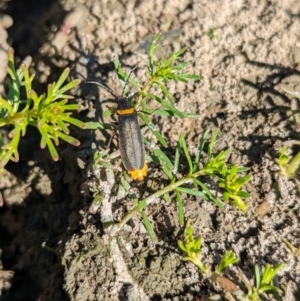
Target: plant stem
(142, 204)
(151, 198)
(18, 116)
(144, 92)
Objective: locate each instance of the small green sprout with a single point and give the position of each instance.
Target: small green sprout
(283, 157)
(101, 159)
(212, 34)
(263, 282)
(227, 175)
(288, 167)
(48, 112)
(192, 248)
(232, 185)
(227, 260)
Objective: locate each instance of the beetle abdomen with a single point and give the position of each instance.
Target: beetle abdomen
(131, 142)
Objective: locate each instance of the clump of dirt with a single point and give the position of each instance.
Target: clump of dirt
(53, 237)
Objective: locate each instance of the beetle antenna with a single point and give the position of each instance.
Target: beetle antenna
(104, 87)
(127, 80)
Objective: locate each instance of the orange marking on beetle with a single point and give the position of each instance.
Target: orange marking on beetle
(126, 111)
(138, 174)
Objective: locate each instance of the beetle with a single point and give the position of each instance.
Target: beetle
(131, 143)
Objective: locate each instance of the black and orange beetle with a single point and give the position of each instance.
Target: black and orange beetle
(131, 143)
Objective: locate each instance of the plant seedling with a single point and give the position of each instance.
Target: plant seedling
(289, 166)
(191, 246)
(48, 112)
(263, 282)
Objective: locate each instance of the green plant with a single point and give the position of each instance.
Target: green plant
(263, 282)
(158, 75)
(228, 259)
(213, 35)
(191, 247)
(182, 180)
(48, 112)
(188, 184)
(288, 166)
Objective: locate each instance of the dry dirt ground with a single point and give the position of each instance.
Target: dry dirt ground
(243, 49)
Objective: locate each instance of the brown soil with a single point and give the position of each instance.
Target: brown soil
(51, 233)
